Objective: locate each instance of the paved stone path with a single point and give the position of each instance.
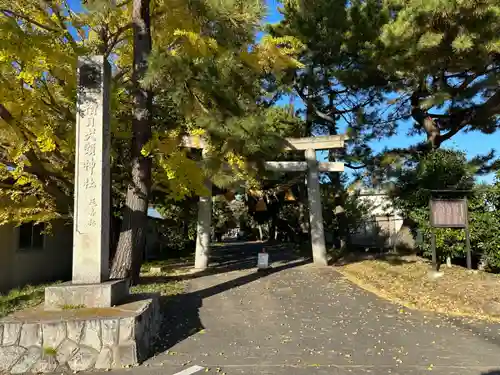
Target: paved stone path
(300, 319)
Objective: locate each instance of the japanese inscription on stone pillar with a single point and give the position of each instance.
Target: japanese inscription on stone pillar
(92, 175)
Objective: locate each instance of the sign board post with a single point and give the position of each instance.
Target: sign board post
(467, 240)
(449, 213)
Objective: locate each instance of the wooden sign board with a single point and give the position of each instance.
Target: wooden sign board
(449, 213)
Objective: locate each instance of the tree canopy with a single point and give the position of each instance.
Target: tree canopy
(207, 74)
(366, 68)
(371, 66)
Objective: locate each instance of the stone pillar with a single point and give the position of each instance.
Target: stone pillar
(92, 172)
(204, 229)
(91, 231)
(315, 210)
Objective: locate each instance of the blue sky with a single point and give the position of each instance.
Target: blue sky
(75, 5)
(273, 15)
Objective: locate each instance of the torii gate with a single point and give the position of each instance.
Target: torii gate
(308, 144)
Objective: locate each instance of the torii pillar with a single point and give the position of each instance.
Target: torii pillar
(309, 145)
(203, 229)
(315, 210)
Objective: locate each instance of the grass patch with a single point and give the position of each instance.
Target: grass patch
(31, 296)
(165, 288)
(19, 299)
(169, 266)
(49, 351)
(163, 283)
(72, 307)
(406, 280)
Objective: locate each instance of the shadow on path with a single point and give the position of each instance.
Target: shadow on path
(231, 257)
(181, 313)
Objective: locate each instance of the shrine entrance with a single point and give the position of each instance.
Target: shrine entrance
(311, 165)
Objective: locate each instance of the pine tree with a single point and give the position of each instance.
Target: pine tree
(372, 65)
(207, 76)
(132, 240)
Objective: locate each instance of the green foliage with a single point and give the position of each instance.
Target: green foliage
(367, 63)
(207, 73)
(484, 221)
(208, 70)
(485, 224)
(447, 169)
(222, 215)
(177, 230)
(439, 170)
(460, 81)
(346, 209)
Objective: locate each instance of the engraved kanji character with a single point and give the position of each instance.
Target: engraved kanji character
(89, 108)
(89, 183)
(89, 148)
(89, 165)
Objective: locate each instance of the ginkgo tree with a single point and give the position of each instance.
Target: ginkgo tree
(37, 94)
(40, 42)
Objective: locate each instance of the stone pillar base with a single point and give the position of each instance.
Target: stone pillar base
(69, 295)
(39, 341)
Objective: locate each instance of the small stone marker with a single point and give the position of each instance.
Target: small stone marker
(263, 260)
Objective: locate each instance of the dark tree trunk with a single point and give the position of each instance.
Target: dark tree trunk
(340, 198)
(426, 122)
(340, 214)
(132, 241)
(273, 227)
(303, 219)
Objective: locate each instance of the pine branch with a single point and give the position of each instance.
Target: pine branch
(328, 116)
(471, 115)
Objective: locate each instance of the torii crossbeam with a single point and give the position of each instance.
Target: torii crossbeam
(308, 144)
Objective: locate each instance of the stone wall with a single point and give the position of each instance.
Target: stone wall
(79, 344)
